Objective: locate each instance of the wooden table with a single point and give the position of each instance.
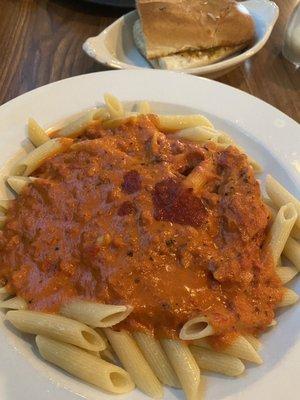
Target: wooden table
(40, 42)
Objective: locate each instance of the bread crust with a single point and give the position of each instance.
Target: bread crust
(172, 26)
(185, 59)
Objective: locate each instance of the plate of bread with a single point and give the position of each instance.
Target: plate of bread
(200, 37)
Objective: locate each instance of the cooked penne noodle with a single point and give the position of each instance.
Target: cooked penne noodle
(179, 122)
(101, 114)
(116, 122)
(95, 315)
(93, 353)
(203, 134)
(36, 133)
(286, 274)
(35, 159)
(18, 183)
(295, 233)
(4, 205)
(80, 340)
(240, 348)
(274, 212)
(157, 359)
(289, 298)
(15, 303)
(4, 294)
(144, 107)
(269, 202)
(280, 195)
(114, 106)
(281, 229)
(217, 362)
(2, 221)
(196, 328)
(255, 343)
(85, 366)
(134, 362)
(77, 127)
(196, 179)
(109, 355)
(273, 323)
(185, 367)
(292, 252)
(57, 328)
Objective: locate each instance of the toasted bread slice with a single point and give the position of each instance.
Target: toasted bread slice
(184, 59)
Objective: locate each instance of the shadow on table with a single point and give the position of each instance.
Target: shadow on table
(87, 7)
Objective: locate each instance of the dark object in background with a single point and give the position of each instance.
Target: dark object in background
(115, 3)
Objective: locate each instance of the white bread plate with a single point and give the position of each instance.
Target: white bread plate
(114, 47)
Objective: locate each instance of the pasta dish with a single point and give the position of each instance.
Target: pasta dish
(141, 251)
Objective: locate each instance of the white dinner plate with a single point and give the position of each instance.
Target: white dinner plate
(267, 134)
(114, 47)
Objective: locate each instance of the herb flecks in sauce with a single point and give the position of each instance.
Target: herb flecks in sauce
(112, 221)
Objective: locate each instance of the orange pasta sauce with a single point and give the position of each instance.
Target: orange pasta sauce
(114, 220)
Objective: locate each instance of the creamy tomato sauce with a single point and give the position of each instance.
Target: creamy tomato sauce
(113, 220)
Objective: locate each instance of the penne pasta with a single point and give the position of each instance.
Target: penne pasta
(269, 203)
(255, 343)
(196, 179)
(18, 183)
(85, 366)
(34, 159)
(94, 314)
(196, 328)
(134, 176)
(178, 122)
(4, 294)
(56, 327)
(15, 303)
(185, 367)
(114, 106)
(203, 134)
(36, 133)
(4, 205)
(281, 229)
(116, 122)
(292, 252)
(239, 348)
(289, 298)
(157, 359)
(101, 114)
(286, 274)
(273, 323)
(77, 127)
(109, 355)
(134, 362)
(295, 232)
(280, 196)
(144, 107)
(217, 362)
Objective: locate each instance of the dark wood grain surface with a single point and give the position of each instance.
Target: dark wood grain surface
(40, 42)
